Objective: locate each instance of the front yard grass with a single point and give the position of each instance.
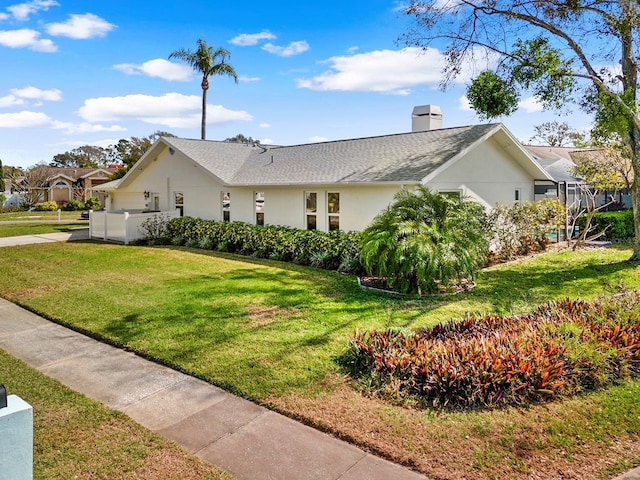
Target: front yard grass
(28, 228)
(75, 437)
(33, 215)
(272, 332)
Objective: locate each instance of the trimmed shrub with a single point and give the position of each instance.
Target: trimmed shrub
(561, 349)
(73, 205)
(523, 227)
(615, 225)
(155, 230)
(92, 203)
(46, 207)
(327, 250)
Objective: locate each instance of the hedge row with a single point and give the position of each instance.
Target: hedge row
(336, 250)
(616, 225)
(561, 349)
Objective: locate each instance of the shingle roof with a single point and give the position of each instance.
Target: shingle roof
(558, 161)
(222, 159)
(407, 157)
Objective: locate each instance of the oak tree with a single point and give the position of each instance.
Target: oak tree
(559, 51)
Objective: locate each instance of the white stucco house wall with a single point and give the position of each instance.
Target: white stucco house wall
(339, 184)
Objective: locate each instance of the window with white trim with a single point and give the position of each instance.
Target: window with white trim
(333, 210)
(226, 206)
(455, 194)
(311, 210)
(259, 208)
(178, 202)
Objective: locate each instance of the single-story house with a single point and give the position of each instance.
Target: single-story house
(330, 185)
(560, 164)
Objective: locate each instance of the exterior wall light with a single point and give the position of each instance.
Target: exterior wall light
(146, 194)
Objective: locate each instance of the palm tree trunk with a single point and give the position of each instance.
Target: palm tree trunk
(203, 126)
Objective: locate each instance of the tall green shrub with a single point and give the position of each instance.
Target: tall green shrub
(425, 241)
(523, 227)
(615, 225)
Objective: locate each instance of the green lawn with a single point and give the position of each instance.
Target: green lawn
(28, 228)
(272, 332)
(75, 437)
(29, 216)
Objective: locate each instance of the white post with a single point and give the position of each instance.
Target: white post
(105, 236)
(16, 440)
(90, 223)
(58, 214)
(126, 233)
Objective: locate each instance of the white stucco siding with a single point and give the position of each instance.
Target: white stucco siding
(359, 205)
(124, 200)
(488, 175)
(287, 205)
(165, 176)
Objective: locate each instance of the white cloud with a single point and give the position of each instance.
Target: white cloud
(24, 119)
(10, 101)
(26, 38)
(85, 127)
(21, 11)
(172, 110)
(33, 93)
(530, 105)
(265, 125)
(353, 49)
(464, 104)
(159, 68)
(266, 141)
(4, 16)
(294, 48)
(28, 119)
(385, 71)
(244, 78)
(250, 39)
(81, 27)
(318, 139)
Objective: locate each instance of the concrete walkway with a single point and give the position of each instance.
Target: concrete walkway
(247, 440)
(72, 235)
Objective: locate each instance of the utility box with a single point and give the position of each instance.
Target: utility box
(16, 439)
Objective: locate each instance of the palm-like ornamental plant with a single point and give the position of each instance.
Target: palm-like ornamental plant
(208, 62)
(425, 241)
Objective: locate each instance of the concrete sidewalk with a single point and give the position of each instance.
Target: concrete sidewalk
(72, 235)
(247, 440)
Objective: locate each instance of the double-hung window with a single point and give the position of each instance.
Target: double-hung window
(259, 208)
(333, 210)
(226, 206)
(311, 210)
(178, 202)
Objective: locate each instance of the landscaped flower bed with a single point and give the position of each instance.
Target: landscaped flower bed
(560, 349)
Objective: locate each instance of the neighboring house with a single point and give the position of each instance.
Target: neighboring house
(45, 183)
(560, 163)
(68, 183)
(330, 185)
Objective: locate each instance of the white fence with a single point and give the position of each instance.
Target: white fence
(122, 226)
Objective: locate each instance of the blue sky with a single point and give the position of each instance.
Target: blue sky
(79, 72)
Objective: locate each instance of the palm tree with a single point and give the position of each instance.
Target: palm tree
(208, 62)
(424, 241)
